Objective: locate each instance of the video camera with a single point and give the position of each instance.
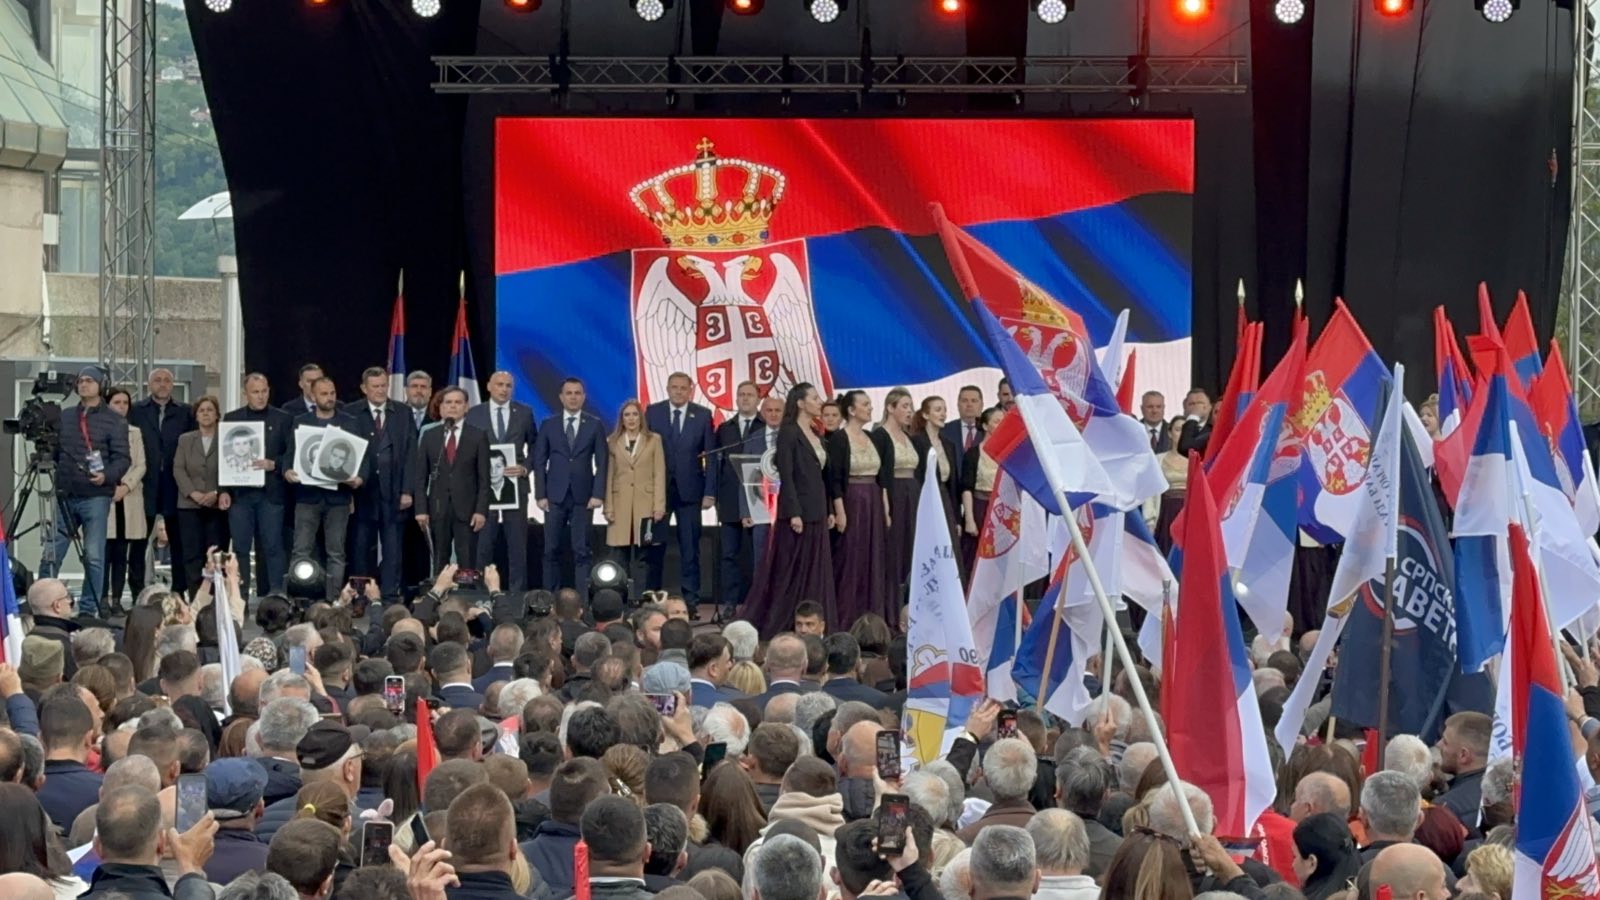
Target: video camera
(39, 420)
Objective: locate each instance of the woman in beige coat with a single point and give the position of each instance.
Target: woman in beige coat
(126, 532)
(202, 508)
(636, 478)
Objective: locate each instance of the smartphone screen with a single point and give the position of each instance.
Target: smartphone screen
(665, 704)
(191, 801)
(375, 840)
(358, 583)
(1006, 724)
(394, 693)
(888, 754)
(894, 811)
(297, 660)
(714, 754)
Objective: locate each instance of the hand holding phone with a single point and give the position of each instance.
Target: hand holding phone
(894, 814)
(375, 840)
(192, 803)
(665, 704)
(888, 748)
(394, 694)
(297, 660)
(1006, 724)
(715, 753)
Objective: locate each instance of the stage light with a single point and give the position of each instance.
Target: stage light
(651, 10)
(1052, 12)
(826, 10)
(1289, 11)
(1193, 9)
(950, 7)
(307, 581)
(1497, 11)
(746, 7)
(523, 6)
(1393, 7)
(219, 6)
(426, 8)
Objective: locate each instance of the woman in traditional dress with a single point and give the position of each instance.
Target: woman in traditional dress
(798, 564)
(978, 473)
(864, 584)
(1175, 466)
(898, 466)
(925, 436)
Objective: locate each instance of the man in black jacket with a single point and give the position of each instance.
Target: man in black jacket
(383, 503)
(483, 844)
(450, 480)
(324, 509)
(256, 513)
(131, 845)
(161, 420)
(1196, 432)
(91, 459)
(613, 827)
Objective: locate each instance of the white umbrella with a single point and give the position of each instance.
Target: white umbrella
(216, 206)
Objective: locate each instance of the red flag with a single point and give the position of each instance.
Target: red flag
(1481, 345)
(427, 751)
(580, 870)
(1125, 387)
(1240, 320)
(1243, 381)
(1169, 655)
(1371, 753)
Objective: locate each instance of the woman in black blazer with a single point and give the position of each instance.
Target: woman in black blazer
(798, 564)
(925, 436)
(898, 459)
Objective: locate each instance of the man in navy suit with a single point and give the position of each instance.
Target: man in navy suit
(710, 659)
(844, 672)
(161, 418)
(569, 478)
(505, 643)
(384, 501)
(310, 374)
(687, 439)
(786, 668)
(967, 428)
(734, 438)
(452, 670)
(507, 422)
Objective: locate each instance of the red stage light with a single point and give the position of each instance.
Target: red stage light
(1393, 7)
(523, 5)
(746, 7)
(1193, 10)
(950, 6)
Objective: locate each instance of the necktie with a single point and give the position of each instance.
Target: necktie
(572, 430)
(770, 434)
(744, 429)
(377, 419)
(677, 421)
(450, 446)
(416, 418)
(500, 425)
(968, 444)
(1154, 436)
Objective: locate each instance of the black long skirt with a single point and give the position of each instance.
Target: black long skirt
(795, 568)
(863, 575)
(904, 493)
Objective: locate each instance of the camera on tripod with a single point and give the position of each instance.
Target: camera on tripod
(39, 420)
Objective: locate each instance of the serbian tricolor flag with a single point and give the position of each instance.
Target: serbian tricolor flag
(636, 237)
(1214, 721)
(397, 347)
(1012, 553)
(1555, 409)
(1486, 507)
(1015, 315)
(1343, 393)
(1554, 844)
(1522, 343)
(10, 612)
(1244, 379)
(1455, 385)
(463, 374)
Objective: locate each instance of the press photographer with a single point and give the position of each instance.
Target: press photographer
(91, 458)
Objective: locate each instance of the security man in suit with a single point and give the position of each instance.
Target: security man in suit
(161, 419)
(384, 501)
(507, 422)
(1196, 432)
(310, 374)
(734, 438)
(687, 439)
(966, 430)
(451, 474)
(569, 477)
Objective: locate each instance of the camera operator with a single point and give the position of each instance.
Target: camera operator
(90, 462)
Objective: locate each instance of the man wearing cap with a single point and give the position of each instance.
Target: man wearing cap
(328, 752)
(91, 459)
(42, 662)
(233, 792)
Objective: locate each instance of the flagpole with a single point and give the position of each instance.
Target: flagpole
(1050, 648)
(1106, 659)
(1110, 613)
(1386, 648)
(1538, 560)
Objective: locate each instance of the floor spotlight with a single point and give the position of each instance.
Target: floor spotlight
(1052, 12)
(651, 10)
(746, 7)
(1497, 11)
(826, 10)
(307, 581)
(426, 8)
(219, 6)
(1289, 11)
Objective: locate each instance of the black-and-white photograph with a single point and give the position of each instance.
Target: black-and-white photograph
(243, 445)
(307, 444)
(339, 457)
(503, 493)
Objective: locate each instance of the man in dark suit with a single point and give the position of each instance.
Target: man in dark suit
(1196, 432)
(160, 420)
(306, 402)
(686, 439)
(710, 658)
(1153, 416)
(414, 561)
(786, 669)
(844, 672)
(966, 429)
(507, 422)
(321, 508)
(734, 438)
(383, 504)
(255, 514)
(569, 472)
(452, 475)
(452, 670)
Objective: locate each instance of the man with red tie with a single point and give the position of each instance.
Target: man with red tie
(451, 482)
(966, 430)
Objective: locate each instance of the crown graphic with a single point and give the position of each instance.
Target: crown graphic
(1316, 400)
(1037, 307)
(686, 202)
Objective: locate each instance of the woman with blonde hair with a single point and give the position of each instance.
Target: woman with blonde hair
(898, 458)
(625, 764)
(127, 531)
(1488, 871)
(746, 677)
(861, 566)
(636, 479)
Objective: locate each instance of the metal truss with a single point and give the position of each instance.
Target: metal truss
(843, 74)
(127, 201)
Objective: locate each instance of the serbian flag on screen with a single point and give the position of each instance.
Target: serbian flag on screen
(1337, 418)
(1554, 846)
(1555, 408)
(1455, 385)
(833, 267)
(1012, 553)
(463, 374)
(1017, 317)
(1214, 721)
(397, 350)
(10, 613)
